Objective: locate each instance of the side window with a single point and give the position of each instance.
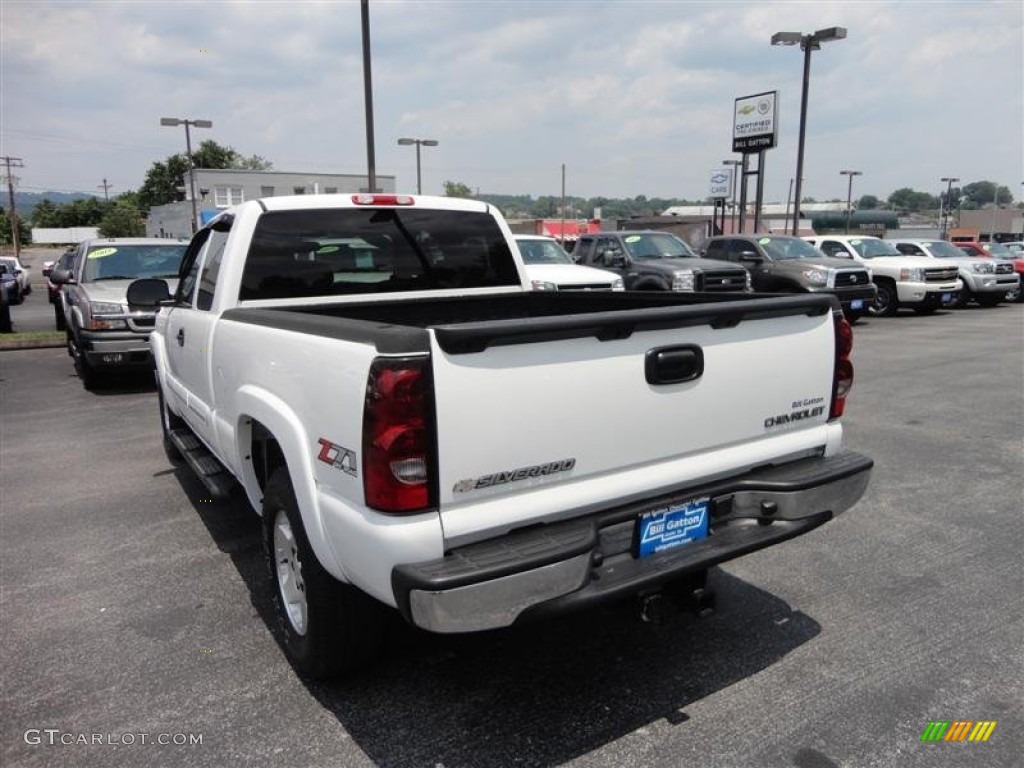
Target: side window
(716, 250)
(211, 268)
(189, 272)
(908, 249)
(737, 247)
(833, 248)
(603, 244)
(582, 251)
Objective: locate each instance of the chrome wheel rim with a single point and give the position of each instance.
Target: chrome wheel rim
(290, 585)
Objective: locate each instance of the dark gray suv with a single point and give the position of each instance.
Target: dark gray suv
(649, 260)
(786, 264)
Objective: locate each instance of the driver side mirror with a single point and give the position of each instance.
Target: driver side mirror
(613, 257)
(751, 257)
(61, 276)
(148, 293)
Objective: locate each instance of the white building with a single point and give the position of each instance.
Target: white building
(217, 189)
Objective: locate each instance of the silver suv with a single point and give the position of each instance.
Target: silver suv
(103, 332)
(986, 280)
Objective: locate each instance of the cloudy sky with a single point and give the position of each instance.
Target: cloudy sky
(634, 97)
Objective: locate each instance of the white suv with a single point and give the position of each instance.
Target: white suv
(917, 282)
(986, 280)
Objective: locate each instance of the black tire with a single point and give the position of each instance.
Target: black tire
(58, 316)
(886, 302)
(92, 379)
(18, 298)
(341, 627)
(990, 300)
(169, 421)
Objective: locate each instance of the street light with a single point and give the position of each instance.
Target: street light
(807, 44)
(849, 195)
(734, 164)
(418, 143)
(172, 122)
(946, 209)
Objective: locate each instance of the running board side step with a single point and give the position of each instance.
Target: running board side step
(208, 469)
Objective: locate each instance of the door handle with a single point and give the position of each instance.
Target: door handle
(181, 337)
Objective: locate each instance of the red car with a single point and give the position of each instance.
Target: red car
(998, 251)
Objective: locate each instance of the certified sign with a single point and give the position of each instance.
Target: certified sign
(721, 183)
(754, 126)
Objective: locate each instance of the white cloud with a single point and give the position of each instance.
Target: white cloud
(635, 97)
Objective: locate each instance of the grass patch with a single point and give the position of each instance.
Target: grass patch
(31, 339)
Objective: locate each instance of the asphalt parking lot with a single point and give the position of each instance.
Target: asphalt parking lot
(132, 606)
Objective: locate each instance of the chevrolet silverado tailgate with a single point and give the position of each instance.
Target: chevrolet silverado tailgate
(544, 418)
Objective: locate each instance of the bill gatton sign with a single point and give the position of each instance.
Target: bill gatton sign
(754, 126)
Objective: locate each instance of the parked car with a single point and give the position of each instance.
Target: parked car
(986, 280)
(104, 332)
(1012, 252)
(787, 264)
(902, 281)
(66, 261)
(550, 268)
(23, 273)
(658, 261)
(10, 288)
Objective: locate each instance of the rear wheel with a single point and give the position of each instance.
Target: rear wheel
(886, 302)
(326, 628)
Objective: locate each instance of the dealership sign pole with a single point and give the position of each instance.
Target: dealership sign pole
(754, 130)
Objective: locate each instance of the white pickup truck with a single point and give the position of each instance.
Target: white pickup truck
(420, 431)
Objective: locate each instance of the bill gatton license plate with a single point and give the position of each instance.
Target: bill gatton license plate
(673, 526)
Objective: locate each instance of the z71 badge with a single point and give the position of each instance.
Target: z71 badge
(337, 456)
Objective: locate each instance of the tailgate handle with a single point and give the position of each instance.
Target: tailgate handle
(674, 365)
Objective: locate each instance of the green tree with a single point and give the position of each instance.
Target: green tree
(981, 193)
(24, 231)
(457, 189)
(907, 199)
(165, 181)
(868, 203)
(46, 214)
(122, 220)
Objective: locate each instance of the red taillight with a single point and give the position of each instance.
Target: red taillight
(843, 376)
(367, 199)
(396, 440)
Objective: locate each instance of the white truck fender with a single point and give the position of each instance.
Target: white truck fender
(278, 417)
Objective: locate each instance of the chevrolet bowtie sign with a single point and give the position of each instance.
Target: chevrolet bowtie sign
(755, 127)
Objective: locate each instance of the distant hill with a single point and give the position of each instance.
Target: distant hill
(27, 201)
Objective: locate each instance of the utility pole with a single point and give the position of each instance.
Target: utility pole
(105, 186)
(13, 162)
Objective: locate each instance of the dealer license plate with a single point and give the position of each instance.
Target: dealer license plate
(670, 527)
(857, 304)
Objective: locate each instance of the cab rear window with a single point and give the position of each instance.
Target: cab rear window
(337, 252)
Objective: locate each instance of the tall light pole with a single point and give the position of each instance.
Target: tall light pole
(807, 44)
(172, 122)
(849, 195)
(735, 182)
(947, 209)
(419, 143)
